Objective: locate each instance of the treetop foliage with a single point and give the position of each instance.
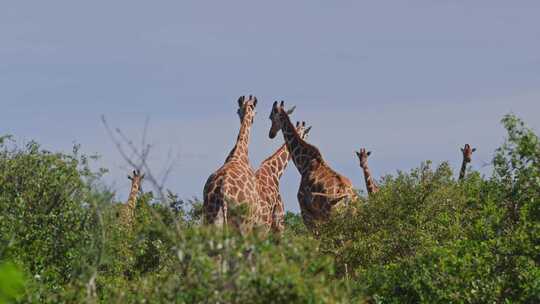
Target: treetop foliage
(425, 237)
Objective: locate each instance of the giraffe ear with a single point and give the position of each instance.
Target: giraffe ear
(368, 153)
(241, 101)
(255, 101)
(462, 150)
(357, 153)
(474, 149)
(307, 130)
(130, 178)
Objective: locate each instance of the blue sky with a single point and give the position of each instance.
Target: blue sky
(409, 80)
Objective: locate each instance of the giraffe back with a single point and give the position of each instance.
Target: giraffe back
(323, 191)
(231, 197)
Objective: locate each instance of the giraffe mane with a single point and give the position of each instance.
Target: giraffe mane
(278, 151)
(300, 139)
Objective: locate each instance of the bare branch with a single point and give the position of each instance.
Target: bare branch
(139, 156)
(117, 143)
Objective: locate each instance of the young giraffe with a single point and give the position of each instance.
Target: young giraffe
(371, 186)
(128, 209)
(322, 190)
(467, 152)
(234, 184)
(268, 176)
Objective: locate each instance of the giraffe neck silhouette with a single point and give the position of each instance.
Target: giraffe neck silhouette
(303, 154)
(463, 169)
(276, 164)
(467, 152)
(371, 186)
(240, 150)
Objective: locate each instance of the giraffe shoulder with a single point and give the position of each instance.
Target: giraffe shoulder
(339, 178)
(344, 180)
(314, 152)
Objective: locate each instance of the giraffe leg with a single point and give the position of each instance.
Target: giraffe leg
(278, 218)
(214, 211)
(221, 217)
(305, 211)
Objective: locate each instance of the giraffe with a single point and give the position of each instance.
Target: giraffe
(322, 190)
(268, 176)
(467, 152)
(234, 185)
(371, 186)
(128, 209)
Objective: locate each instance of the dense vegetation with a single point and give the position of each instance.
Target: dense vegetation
(425, 237)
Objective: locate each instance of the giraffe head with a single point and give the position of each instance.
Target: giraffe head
(277, 117)
(136, 180)
(363, 156)
(467, 153)
(302, 130)
(246, 108)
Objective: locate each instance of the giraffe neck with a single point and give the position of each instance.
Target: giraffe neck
(303, 154)
(240, 150)
(132, 199)
(463, 170)
(277, 163)
(371, 186)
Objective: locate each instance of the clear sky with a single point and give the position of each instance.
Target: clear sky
(409, 80)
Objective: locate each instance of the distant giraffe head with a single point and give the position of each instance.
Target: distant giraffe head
(302, 130)
(136, 181)
(371, 186)
(363, 155)
(276, 116)
(467, 153)
(246, 108)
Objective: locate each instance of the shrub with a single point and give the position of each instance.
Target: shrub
(45, 223)
(427, 238)
(424, 237)
(11, 283)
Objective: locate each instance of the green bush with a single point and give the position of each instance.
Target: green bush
(45, 223)
(205, 265)
(423, 238)
(428, 238)
(11, 283)
(411, 213)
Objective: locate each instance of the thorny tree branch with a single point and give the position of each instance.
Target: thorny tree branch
(137, 158)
